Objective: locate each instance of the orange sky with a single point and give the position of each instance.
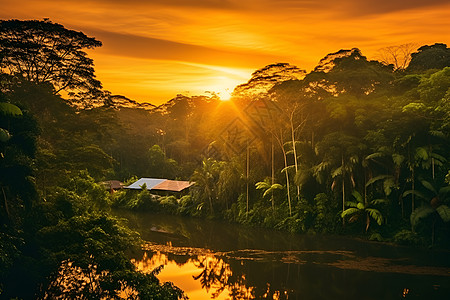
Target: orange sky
(155, 49)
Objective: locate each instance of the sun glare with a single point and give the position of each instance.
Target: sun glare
(225, 94)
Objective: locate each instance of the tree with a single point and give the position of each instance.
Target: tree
(363, 208)
(43, 51)
(433, 204)
(341, 153)
(427, 57)
(264, 79)
(205, 179)
(349, 72)
(398, 56)
(268, 188)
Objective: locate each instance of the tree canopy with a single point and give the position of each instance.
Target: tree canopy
(43, 51)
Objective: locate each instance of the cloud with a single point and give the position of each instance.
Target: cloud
(159, 49)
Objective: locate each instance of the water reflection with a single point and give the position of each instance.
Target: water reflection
(223, 261)
(204, 277)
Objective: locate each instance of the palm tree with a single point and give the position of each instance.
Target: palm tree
(363, 208)
(432, 205)
(268, 189)
(205, 179)
(340, 153)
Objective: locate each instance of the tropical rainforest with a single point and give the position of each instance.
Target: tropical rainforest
(356, 147)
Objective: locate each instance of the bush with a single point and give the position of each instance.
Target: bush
(169, 204)
(407, 237)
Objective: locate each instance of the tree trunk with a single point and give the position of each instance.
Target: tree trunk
(343, 189)
(287, 182)
(273, 176)
(295, 155)
(6, 203)
(367, 221)
(248, 171)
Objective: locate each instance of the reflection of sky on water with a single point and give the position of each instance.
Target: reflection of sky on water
(204, 274)
(267, 264)
(188, 276)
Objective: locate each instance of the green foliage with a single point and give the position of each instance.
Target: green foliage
(407, 237)
(363, 208)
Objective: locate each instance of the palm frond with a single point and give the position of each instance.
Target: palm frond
(357, 196)
(429, 186)
(444, 212)
(10, 109)
(351, 204)
(420, 213)
(416, 193)
(376, 215)
(349, 212)
(421, 154)
(377, 178)
(378, 201)
(398, 159)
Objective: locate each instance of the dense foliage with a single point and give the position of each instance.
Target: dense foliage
(352, 147)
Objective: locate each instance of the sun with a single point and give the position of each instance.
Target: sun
(225, 94)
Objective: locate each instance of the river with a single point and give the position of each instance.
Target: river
(211, 259)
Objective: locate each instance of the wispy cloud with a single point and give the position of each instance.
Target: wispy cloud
(183, 41)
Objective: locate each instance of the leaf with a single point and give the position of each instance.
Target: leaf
(444, 212)
(376, 215)
(360, 206)
(413, 192)
(357, 196)
(388, 184)
(349, 212)
(378, 201)
(262, 185)
(439, 159)
(288, 168)
(398, 159)
(374, 155)
(444, 190)
(351, 204)
(337, 172)
(10, 109)
(429, 186)
(274, 187)
(420, 213)
(421, 154)
(4, 135)
(377, 178)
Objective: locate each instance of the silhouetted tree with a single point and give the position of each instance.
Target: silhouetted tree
(427, 57)
(43, 51)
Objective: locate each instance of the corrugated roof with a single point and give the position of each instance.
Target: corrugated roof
(160, 184)
(172, 185)
(149, 182)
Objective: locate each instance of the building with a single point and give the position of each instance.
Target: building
(158, 184)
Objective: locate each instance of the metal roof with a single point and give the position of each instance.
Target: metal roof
(160, 184)
(149, 182)
(112, 184)
(173, 185)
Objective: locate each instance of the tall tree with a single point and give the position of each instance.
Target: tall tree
(427, 57)
(43, 51)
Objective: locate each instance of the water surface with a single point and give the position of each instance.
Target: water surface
(226, 261)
